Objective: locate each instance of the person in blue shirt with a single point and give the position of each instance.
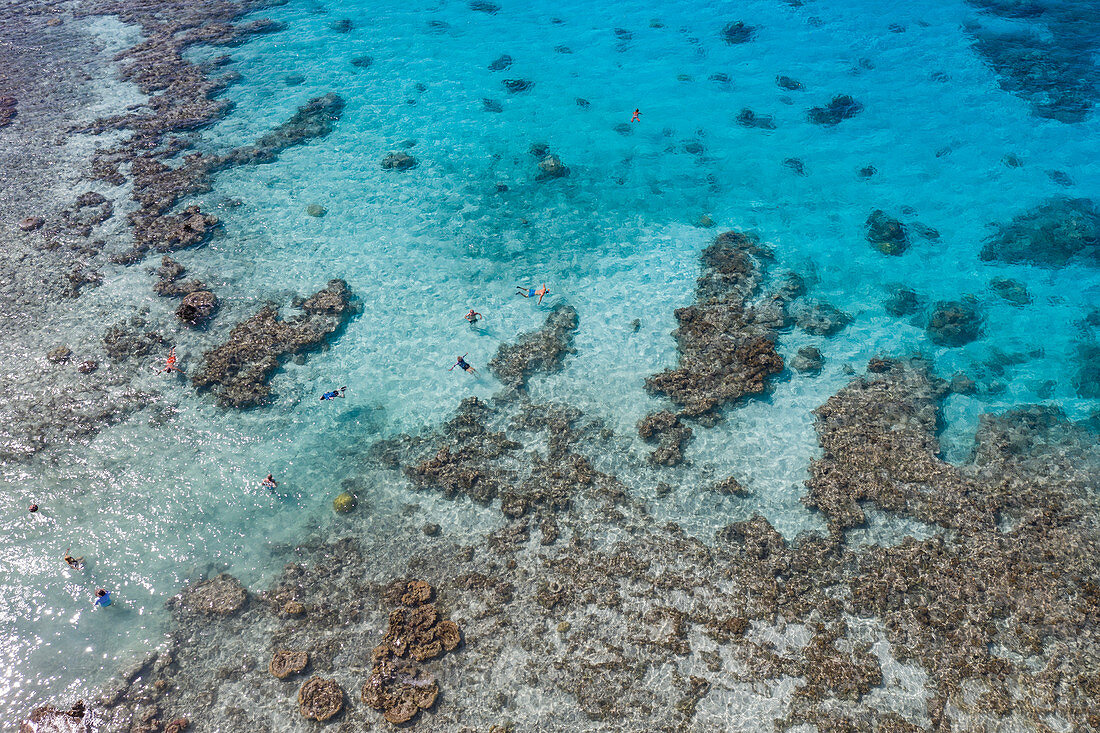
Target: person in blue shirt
(461, 362)
(102, 598)
(333, 394)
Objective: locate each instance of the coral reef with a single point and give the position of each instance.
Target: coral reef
(238, 371)
(726, 343)
(7, 110)
(669, 432)
(399, 162)
(1052, 234)
(539, 351)
(840, 108)
(398, 685)
(747, 118)
(320, 699)
(821, 319)
(285, 663)
(736, 32)
(48, 719)
(220, 596)
(955, 322)
(808, 360)
(886, 234)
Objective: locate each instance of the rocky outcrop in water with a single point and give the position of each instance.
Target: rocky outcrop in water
(1053, 234)
(840, 108)
(220, 596)
(7, 110)
(399, 162)
(669, 432)
(538, 351)
(955, 322)
(886, 234)
(238, 371)
(316, 118)
(320, 699)
(737, 32)
(726, 341)
(820, 318)
(285, 662)
(48, 719)
(398, 684)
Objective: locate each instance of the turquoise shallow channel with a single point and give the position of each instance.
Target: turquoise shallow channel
(950, 139)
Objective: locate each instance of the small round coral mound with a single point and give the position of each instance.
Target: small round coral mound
(320, 699)
(285, 663)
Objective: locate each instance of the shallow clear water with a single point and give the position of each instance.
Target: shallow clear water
(173, 493)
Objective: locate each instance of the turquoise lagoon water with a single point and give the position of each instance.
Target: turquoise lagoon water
(172, 494)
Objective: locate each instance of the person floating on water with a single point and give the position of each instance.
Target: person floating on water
(637, 116)
(170, 364)
(472, 316)
(461, 362)
(102, 598)
(332, 395)
(34, 508)
(73, 562)
(531, 292)
(269, 482)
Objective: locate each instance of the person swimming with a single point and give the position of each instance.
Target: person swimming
(333, 394)
(269, 482)
(472, 316)
(73, 562)
(170, 364)
(461, 362)
(532, 292)
(102, 598)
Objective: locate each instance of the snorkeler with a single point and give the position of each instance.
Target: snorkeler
(333, 394)
(269, 482)
(102, 598)
(73, 562)
(472, 316)
(170, 364)
(531, 292)
(461, 362)
(637, 116)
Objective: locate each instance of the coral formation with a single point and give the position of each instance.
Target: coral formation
(840, 108)
(320, 699)
(398, 685)
(955, 322)
(736, 32)
(220, 596)
(538, 351)
(726, 343)
(238, 371)
(1052, 234)
(669, 432)
(886, 234)
(285, 663)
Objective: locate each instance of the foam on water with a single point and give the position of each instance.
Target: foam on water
(173, 494)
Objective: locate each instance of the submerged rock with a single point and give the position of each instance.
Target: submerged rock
(1052, 234)
(362, 62)
(736, 32)
(343, 25)
(729, 486)
(285, 663)
(197, 307)
(808, 360)
(515, 86)
(314, 119)
(399, 162)
(31, 223)
(821, 319)
(59, 355)
(666, 429)
(7, 110)
(786, 82)
(955, 323)
(842, 107)
(484, 6)
(500, 63)
(220, 596)
(748, 118)
(320, 699)
(344, 503)
(538, 351)
(726, 343)
(550, 168)
(886, 234)
(1013, 291)
(316, 210)
(239, 369)
(903, 301)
